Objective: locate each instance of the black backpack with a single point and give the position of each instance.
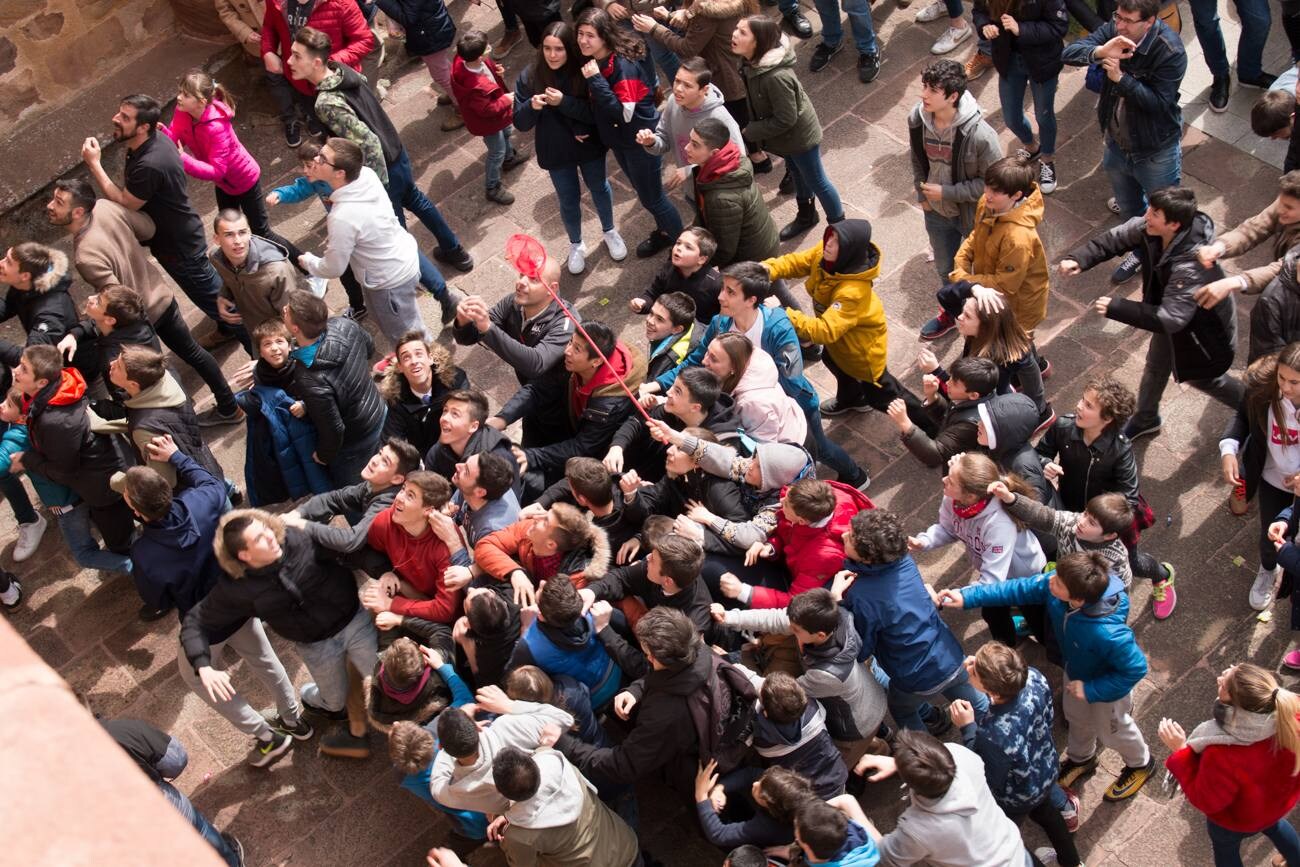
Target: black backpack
(722, 712)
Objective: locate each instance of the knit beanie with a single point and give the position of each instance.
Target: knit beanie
(780, 464)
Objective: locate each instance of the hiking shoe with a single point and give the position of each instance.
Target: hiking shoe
(1071, 771)
(951, 38)
(13, 597)
(1112, 205)
(335, 715)
(1070, 815)
(216, 418)
(293, 133)
(1127, 270)
(1164, 598)
(1134, 428)
(861, 481)
(1261, 592)
(29, 538)
(832, 407)
(655, 243)
(499, 195)
(615, 245)
(1129, 781)
(577, 262)
(356, 314)
(148, 614)
(1292, 659)
(798, 23)
(300, 731)
(452, 121)
(518, 156)
(265, 753)
(509, 39)
(822, 55)
(932, 11)
(1263, 81)
(938, 326)
(343, 744)
(1220, 87)
(1046, 419)
(786, 185)
(979, 64)
(460, 259)
(868, 67)
(1047, 177)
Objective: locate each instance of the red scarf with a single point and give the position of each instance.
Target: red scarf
(404, 696)
(970, 511)
(725, 160)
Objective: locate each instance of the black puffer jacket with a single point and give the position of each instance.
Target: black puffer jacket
(64, 450)
(441, 459)
(47, 312)
(1104, 467)
(642, 453)
(1043, 25)
(409, 417)
(1010, 420)
(1275, 318)
(305, 596)
(1201, 341)
(341, 397)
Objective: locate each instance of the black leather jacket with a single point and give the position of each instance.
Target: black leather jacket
(1088, 470)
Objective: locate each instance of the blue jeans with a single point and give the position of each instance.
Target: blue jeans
(859, 13)
(200, 823)
(1134, 179)
(327, 660)
(954, 8)
(75, 527)
(945, 240)
(905, 707)
(810, 180)
(498, 148)
(406, 196)
(643, 173)
(664, 58)
(1255, 22)
(12, 488)
(569, 192)
(577, 701)
(1227, 844)
(830, 453)
(431, 277)
(1011, 90)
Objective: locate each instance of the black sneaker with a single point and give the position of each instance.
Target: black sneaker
(264, 753)
(1263, 81)
(832, 407)
(812, 353)
(1130, 781)
(300, 731)
(334, 715)
(1134, 428)
(1127, 270)
(342, 744)
(861, 481)
(938, 326)
(797, 23)
(868, 67)
(1047, 177)
(148, 614)
(938, 723)
(460, 259)
(293, 133)
(1046, 419)
(1220, 87)
(1044, 367)
(822, 55)
(1071, 771)
(657, 241)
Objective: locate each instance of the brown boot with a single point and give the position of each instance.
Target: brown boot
(452, 120)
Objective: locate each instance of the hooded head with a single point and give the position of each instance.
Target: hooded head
(781, 464)
(850, 241)
(1008, 421)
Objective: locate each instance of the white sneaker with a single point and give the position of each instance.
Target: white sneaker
(1261, 592)
(951, 38)
(1112, 205)
(577, 258)
(932, 11)
(29, 538)
(317, 286)
(614, 244)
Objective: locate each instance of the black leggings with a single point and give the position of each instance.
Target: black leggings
(1271, 501)
(1049, 819)
(851, 391)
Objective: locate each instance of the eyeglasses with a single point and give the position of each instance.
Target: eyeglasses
(1130, 21)
(321, 159)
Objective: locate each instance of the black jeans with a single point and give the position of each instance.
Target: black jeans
(252, 204)
(851, 391)
(1271, 501)
(764, 573)
(176, 336)
(1049, 819)
(291, 102)
(201, 284)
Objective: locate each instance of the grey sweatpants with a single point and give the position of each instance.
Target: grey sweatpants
(395, 310)
(1109, 723)
(251, 645)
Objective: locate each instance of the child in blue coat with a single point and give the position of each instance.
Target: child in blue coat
(1087, 607)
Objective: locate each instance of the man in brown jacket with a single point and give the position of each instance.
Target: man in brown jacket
(1279, 222)
(256, 274)
(107, 251)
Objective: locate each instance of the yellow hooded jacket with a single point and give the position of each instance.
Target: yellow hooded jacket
(1004, 252)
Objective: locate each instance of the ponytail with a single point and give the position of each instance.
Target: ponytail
(1286, 704)
(200, 85)
(1016, 484)
(1256, 690)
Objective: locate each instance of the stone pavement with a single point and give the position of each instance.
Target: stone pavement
(312, 810)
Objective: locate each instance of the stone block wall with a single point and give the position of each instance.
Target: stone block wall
(52, 49)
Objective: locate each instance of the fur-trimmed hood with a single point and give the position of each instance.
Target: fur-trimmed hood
(779, 55)
(591, 559)
(393, 386)
(383, 710)
(55, 277)
(233, 566)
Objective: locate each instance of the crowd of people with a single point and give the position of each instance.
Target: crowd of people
(634, 568)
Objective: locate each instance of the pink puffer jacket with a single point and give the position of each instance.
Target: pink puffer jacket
(212, 150)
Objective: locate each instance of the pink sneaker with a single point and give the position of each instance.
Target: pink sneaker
(1292, 659)
(1164, 598)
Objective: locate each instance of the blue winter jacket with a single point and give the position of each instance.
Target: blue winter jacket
(279, 463)
(1098, 646)
(859, 850)
(779, 341)
(1015, 741)
(303, 189)
(15, 439)
(900, 626)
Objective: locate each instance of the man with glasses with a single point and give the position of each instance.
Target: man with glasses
(1142, 64)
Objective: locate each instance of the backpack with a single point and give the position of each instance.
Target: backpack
(722, 712)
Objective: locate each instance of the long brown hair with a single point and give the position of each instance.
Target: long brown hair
(1256, 690)
(1262, 391)
(1000, 338)
(200, 85)
(767, 35)
(739, 350)
(567, 78)
(616, 39)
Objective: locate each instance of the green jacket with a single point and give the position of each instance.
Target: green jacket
(333, 110)
(782, 117)
(732, 209)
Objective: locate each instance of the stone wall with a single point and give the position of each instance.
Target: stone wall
(52, 49)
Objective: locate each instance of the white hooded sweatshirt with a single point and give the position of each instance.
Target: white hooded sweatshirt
(364, 233)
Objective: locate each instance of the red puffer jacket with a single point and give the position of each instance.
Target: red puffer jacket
(486, 107)
(812, 554)
(340, 20)
(1241, 788)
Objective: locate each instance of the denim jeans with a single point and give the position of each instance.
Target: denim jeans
(1011, 90)
(201, 284)
(327, 660)
(643, 173)
(829, 452)
(498, 148)
(1133, 180)
(1227, 844)
(1255, 22)
(569, 192)
(200, 823)
(406, 196)
(945, 240)
(859, 13)
(74, 524)
(12, 488)
(176, 336)
(905, 707)
(954, 8)
(663, 57)
(810, 180)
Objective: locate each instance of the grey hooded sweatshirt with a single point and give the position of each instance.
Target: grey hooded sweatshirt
(676, 123)
(954, 158)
